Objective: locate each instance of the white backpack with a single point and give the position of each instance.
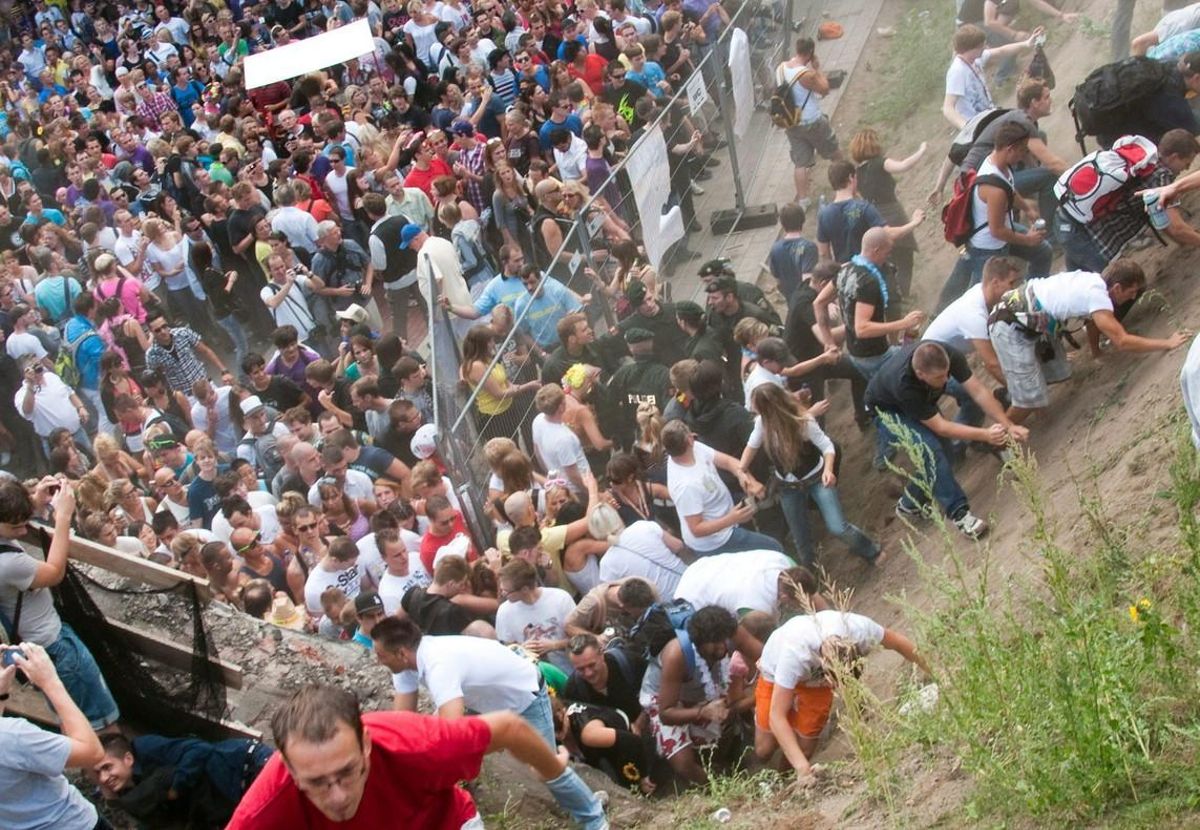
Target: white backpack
(1100, 181)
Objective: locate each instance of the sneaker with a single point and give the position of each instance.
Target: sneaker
(909, 514)
(971, 525)
(697, 190)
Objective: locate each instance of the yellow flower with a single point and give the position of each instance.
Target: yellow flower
(1135, 611)
(631, 771)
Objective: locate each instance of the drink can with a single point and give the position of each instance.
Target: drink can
(1039, 225)
(1157, 213)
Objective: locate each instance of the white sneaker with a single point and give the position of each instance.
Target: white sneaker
(971, 525)
(697, 190)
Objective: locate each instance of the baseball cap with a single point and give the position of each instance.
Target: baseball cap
(717, 267)
(638, 335)
(462, 128)
(251, 405)
(424, 441)
(354, 312)
(122, 71)
(722, 284)
(407, 234)
(368, 603)
(635, 292)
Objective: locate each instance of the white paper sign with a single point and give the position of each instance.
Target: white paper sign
(697, 92)
(295, 59)
(650, 175)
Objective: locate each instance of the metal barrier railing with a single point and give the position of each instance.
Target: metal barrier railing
(712, 101)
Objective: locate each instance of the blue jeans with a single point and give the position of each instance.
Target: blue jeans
(82, 679)
(234, 329)
(568, 789)
(1080, 250)
(933, 466)
(969, 269)
(794, 500)
(741, 540)
(867, 367)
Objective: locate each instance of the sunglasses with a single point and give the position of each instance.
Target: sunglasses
(305, 528)
(251, 545)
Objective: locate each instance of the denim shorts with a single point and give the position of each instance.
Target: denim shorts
(82, 679)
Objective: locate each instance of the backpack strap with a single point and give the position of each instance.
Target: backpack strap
(689, 651)
(625, 665)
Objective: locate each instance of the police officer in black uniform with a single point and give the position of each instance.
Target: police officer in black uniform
(644, 381)
(700, 343)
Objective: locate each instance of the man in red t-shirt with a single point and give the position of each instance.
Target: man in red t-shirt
(425, 168)
(383, 769)
(444, 524)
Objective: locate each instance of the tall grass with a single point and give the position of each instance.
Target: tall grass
(1072, 695)
(916, 57)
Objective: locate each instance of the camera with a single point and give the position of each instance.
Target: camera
(7, 660)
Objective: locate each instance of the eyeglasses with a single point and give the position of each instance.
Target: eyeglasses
(251, 545)
(337, 779)
(306, 528)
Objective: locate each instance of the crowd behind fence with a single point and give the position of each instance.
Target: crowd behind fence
(710, 100)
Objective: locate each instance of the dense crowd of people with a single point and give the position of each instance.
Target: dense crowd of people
(214, 299)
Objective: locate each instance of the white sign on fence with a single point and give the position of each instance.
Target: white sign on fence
(697, 92)
(650, 175)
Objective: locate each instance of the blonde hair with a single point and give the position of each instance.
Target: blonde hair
(424, 474)
(105, 445)
(649, 431)
(783, 422)
(495, 450)
(749, 331)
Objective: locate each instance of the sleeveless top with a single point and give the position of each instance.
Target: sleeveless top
(808, 101)
(489, 404)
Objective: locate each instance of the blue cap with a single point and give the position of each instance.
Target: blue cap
(407, 234)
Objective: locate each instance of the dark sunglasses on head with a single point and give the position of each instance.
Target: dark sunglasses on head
(253, 543)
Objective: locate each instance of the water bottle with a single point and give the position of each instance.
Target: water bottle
(822, 202)
(1154, 208)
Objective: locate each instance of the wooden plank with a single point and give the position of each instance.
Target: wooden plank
(26, 702)
(133, 567)
(173, 654)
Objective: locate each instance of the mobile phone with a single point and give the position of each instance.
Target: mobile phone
(7, 660)
(750, 502)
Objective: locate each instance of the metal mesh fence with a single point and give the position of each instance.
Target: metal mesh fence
(716, 132)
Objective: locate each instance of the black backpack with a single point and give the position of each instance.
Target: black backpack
(961, 146)
(1111, 93)
(783, 109)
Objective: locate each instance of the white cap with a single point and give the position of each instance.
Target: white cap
(424, 441)
(354, 312)
(122, 71)
(251, 404)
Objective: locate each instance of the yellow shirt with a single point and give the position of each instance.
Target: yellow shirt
(490, 404)
(554, 540)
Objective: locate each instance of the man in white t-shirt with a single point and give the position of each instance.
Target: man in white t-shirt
(798, 670)
(755, 580)
(558, 448)
(402, 567)
(967, 93)
(484, 676)
(645, 550)
(964, 325)
(338, 568)
(707, 515)
(286, 296)
(22, 342)
(533, 617)
(210, 413)
(1027, 320)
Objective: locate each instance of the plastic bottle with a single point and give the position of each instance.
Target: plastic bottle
(1158, 214)
(723, 815)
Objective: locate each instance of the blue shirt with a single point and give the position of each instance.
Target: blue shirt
(841, 225)
(88, 350)
(572, 123)
(36, 793)
(222, 763)
(649, 77)
(790, 260)
(541, 321)
(53, 215)
(500, 290)
(184, 98)
(52, 295)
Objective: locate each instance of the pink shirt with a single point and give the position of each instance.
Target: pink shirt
(131, 295)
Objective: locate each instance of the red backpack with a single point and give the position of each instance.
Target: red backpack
(958, 224)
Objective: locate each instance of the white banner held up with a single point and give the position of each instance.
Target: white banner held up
(650, 174)
(742, 79)
(295, 59)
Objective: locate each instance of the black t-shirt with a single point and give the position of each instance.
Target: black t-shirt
(281, 393)
(627, 760)
(856, 284)
(624, 99)
(798, 331)
(241, 224)
(285, 17)
(373, 462)
(896, 387)
(622, 691)
(433, 613)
